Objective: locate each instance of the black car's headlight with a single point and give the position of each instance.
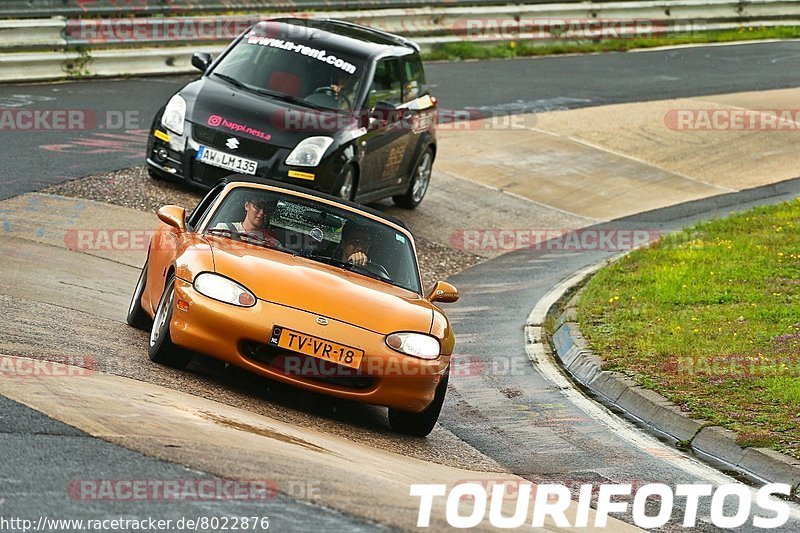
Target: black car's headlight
(414, 344)
(223, 289)
(175, 114)
(309, 152)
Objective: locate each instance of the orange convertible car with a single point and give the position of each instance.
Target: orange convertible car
(303, 288)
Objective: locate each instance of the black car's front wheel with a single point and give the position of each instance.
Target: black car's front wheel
(347, 184)
(419, 182)
(422, 423)
(161, 349)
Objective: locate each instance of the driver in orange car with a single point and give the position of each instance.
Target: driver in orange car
(355, 244)
(257, 214)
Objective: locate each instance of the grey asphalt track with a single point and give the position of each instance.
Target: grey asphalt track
(505, 408)
(45, 461)
(119, 112)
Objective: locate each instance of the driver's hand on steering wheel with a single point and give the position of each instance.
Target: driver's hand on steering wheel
(358, 258)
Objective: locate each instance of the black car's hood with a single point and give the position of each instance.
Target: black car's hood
(216, 104)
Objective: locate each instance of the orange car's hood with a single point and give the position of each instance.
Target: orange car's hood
(321, 289)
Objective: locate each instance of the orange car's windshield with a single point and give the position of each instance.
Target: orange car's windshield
(319, 232)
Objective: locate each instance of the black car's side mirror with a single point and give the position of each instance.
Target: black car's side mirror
(383, 105)
(201, 61)
(384, 113)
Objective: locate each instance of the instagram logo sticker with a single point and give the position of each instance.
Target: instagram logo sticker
(214, 120)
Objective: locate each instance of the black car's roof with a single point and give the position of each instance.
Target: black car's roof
(238, 178)
(353, 37)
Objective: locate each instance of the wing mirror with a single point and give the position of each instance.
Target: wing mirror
(201, 61)
(173, 215)
(443, 292)
(382, 114)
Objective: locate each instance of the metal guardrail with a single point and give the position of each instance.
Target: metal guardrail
(40, 8)
(35, 49)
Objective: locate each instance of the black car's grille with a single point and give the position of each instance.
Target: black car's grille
(208, 175)
(247, 147)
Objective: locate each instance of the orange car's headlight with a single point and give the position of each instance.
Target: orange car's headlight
(414, 344)
(223, 289)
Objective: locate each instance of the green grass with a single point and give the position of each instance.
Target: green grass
(710, 318)
(477, 50)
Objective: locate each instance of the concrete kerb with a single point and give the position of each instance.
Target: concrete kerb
(705, 440)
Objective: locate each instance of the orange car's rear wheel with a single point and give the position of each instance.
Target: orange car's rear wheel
(422, 423)
(137, 318)
(161, 348)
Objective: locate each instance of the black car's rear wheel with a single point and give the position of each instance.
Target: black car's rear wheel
(161, 349)
(137, 317)
(419, 182)
(422, 423)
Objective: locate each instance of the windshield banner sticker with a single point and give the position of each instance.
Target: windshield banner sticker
(320, 55)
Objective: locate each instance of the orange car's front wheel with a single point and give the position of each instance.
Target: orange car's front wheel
(422, 423)
(161, 349)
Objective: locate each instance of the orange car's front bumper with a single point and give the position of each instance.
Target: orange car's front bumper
(228, 333)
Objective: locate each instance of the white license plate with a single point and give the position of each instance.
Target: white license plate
(212, 157)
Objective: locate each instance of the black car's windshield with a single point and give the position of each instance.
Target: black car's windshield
(319, 232)
(300, 69)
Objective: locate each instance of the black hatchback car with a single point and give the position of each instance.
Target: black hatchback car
(325, 104)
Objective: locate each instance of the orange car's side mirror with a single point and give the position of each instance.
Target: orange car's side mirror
(174, 216)
(443, 292)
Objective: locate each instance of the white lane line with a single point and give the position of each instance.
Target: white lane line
(632, 158)
(524, 198)
(706, 45)
(559, 255)
(626, 430)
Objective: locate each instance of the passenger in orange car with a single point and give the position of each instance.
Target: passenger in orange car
(355, 244)
(257, 215)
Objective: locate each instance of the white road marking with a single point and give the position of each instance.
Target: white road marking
(631, 158)
(520, 197)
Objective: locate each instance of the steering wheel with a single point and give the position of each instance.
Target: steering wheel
(378, 270)
(327, 90)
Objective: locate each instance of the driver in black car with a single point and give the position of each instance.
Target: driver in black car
(343, 90)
